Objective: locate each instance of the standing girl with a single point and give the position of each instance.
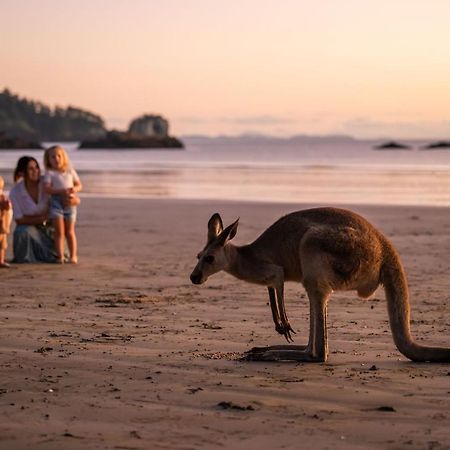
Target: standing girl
(61, 181)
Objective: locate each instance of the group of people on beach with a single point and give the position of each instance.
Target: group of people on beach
(44, 208)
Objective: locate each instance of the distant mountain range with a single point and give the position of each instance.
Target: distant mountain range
(267, 139)
(305, 139)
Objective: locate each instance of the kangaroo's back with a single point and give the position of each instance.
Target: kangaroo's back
(296, 223)
(346, 236)
(289, 230)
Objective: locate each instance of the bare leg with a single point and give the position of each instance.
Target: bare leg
(2, 248)
(58, 224)
(317, 348)
(69, 226)
(3, 263)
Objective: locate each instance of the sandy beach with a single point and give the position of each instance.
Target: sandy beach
(123, 352)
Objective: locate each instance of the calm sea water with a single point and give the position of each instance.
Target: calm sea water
(325, 173)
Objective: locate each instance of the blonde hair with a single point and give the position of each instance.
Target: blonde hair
(65, 157)
(2, 183)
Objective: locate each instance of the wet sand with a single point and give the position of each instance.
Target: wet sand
(122, 352)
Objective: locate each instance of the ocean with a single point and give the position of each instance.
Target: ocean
(317, 172)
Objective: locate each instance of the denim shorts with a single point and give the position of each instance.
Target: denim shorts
(57, 210)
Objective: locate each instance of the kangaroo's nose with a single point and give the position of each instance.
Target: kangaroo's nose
(196, 278)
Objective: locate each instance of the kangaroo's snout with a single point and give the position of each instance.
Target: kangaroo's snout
(196, 277)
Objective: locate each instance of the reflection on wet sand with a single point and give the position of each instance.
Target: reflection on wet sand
(314, 184)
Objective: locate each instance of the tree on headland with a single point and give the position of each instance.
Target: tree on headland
(24, 123)
(28, 119)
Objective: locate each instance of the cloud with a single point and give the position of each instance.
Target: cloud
(237, 125)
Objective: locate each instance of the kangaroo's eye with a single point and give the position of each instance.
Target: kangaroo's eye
(198, 256)
(209, 259)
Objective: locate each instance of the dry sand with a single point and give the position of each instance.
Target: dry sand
(122, 352)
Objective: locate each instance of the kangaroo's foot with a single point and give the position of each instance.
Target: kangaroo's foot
(285, 329)
(298, 353)
(275, 347)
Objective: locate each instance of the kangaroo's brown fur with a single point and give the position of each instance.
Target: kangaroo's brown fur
(325, 249)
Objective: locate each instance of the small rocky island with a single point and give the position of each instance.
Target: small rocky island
(437, 145)
(392, 145)
(147, 131)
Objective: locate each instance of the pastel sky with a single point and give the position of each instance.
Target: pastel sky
(282, 67)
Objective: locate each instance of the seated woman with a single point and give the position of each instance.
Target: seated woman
(32, 240)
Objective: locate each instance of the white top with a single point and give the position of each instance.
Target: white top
(61, 180)
(24, 205)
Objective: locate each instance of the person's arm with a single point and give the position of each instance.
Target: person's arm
(70, 197)
(31, 220)
(48, 186)
(5, 204)
(52, 191)
(25, 219)
(71, 200)
(77, 186)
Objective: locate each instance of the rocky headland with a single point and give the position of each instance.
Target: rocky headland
(25, 123)
(15, 143)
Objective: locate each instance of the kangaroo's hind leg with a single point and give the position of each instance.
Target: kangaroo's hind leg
(318, 333)
(317, 348)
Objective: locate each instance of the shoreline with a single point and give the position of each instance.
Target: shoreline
(122, 351)
(324, 185)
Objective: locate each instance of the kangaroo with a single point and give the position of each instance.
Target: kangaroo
(325, 249)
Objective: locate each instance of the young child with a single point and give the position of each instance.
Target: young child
(62, 182)
(5, 223)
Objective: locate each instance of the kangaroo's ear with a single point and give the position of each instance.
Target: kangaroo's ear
(215, 226)
(229, 233)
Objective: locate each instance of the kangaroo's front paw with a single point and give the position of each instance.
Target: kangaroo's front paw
(285, 329)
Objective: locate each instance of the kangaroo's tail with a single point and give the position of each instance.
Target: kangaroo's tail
(393, 279)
